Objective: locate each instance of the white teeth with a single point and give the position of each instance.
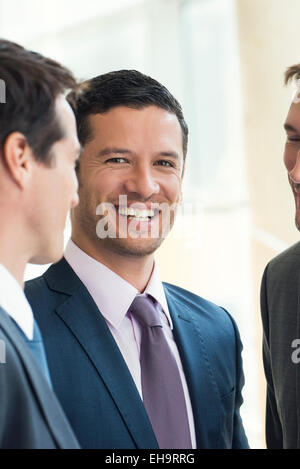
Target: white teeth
(132, 212)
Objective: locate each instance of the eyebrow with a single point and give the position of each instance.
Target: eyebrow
(169, 154)
(290, 128)
(124, 151)
(110, 150)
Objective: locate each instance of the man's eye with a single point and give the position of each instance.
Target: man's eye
(293, 139)
(116, 160)
(165, 163)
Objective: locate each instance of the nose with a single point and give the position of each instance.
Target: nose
(294, 171)
(142, 182)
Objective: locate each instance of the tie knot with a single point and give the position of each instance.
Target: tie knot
(145, 311)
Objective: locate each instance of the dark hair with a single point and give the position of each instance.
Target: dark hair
(121, 88)
(32, 83)
(292, 73)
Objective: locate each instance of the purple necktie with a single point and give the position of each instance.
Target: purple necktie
(163, 395)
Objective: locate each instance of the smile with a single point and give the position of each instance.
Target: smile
(141, 215)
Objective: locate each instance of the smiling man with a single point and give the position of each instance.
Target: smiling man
(280, 307)
(136, 363)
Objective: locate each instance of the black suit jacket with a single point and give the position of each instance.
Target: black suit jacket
(30, 415)
(280, 296)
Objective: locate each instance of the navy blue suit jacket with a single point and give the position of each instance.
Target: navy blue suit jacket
(94, 385)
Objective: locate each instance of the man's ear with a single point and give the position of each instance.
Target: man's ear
(17, 158)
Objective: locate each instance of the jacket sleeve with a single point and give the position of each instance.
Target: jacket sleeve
(274, 437)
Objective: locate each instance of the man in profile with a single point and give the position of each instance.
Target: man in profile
(38, 186)
(144, 364)
(280, 307)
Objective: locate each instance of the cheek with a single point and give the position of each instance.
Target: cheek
(109, 186)
(172, 188)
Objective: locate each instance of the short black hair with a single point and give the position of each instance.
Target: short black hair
(128, 88)
(32, 83)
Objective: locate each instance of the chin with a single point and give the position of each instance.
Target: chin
(50, 257)
(135, 248)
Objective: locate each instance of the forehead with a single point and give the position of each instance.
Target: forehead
(150, 124)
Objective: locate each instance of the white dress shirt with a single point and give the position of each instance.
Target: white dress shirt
(113, 296)
(14, 302)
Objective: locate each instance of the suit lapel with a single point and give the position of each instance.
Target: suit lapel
(202, 386)
(82, 317)
(50, 407)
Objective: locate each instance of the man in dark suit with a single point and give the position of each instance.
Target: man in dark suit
(279, 307)
(38, 185)
(136, 363)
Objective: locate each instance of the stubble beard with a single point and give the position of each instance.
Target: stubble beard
(127, 247)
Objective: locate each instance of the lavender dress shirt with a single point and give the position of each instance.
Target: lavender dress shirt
(101, 282)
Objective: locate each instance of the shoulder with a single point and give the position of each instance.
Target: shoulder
(41, 297)
(37, 291)
(12, 357)
(57, 284)
(200, 309)
(12, 372)
(35, 284)
(282, 269)
(52, 286)
(286, 258)
(9, 352)
(215, 329)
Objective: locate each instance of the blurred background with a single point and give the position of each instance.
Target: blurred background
(224, 60)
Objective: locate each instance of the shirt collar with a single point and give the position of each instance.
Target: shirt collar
(14, 302)
(112, 294)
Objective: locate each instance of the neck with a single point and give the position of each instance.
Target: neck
(135, 270)
(12, 257)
